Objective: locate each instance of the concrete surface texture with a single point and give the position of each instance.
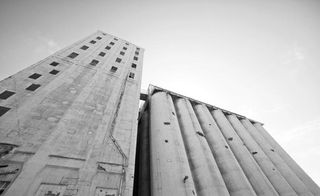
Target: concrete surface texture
(216, 151)
(69, 122)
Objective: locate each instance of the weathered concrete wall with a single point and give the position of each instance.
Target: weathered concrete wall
(76, 133)
(222, 153)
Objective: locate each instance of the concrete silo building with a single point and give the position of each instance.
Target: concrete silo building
(70, 125)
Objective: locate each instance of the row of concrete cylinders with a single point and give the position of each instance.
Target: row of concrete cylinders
(185, 149)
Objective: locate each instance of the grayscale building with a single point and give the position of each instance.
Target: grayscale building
(70, 125)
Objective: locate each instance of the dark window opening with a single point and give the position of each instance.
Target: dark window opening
(84, 47)
(138, 49)
(3, 110)
(33, 87)
(98, 38)
(137, 53)
(112, 43)
(254, 153)
(94, 62)
(135, 58)
(166, 123)
(92, 42)
(134, 65)
(127, 43)
(131, 75)
(35, 76)
(108, 47)
(73, 55)
(6, 94)
(166, 141)
(118, 60)
(122, 53)
(115, 39)
(125, 48)
(113, 69)
(54, 72)
(102, 54)
(54, 63)
(230, 138)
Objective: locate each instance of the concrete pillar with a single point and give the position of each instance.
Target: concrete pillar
(170, 171)
(311, 185)
(258, 180)
(274, 176)
(286, 172)
(144, 161)
(206, 175)
(235, 179)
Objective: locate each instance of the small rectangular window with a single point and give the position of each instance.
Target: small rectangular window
(118, 60)
(131, 75)
(98, 38)
(102, 54)
(127, 43)
(84, 47)
(54, 63)
(108, 47)
(54, 72)
(122, 53)
(138, 49)
(135, 58)
(73, 55)
(125, 48)
(134, 65)
(6, 94)
(94, 62)
(92, 42)
(35, 76)
(111, 43)
(33, 87)
(113, 69)
(3, 110)
(137, 53)
(115, 39)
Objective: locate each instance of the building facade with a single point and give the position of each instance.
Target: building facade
(68, 123)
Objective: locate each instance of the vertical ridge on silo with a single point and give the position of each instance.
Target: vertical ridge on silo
(170, 172)
(206, 175)
(235, 179)
(289, 161)
(274, 176)
(287, 173)
(258, 180)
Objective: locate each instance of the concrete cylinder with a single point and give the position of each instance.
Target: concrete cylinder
(311, 185)
(256, 177)
(206, 175)
(235, 179)
(274, 176)
(170, 171)
(286, 172)
(144, 161)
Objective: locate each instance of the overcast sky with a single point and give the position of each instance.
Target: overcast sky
(257, 58)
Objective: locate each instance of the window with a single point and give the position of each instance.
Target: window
(98, 38)
(127, 43)
(113, 69)
(122, 53)
(135, 58)
(84, 47)
(6, 94)
(118, 60)
(138, 49)
(134, 65)
(115, 39)
(33, 87)
(73, 55)
(131, 75)
(125, 48)
(3, 110)
(102, 54)
(54, 63)
(108, 47)
(111, 43)
(137, 53)
(54, 72)
(92, 42)
(35, 76)
(94, 62)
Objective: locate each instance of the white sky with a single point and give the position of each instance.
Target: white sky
(257, 58)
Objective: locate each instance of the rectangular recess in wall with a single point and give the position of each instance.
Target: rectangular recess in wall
(54, 72)
(84, 47)
(113, 69)
(99, 38)
(94, 62)
(102, 54)
(54, 63)
(73, 55)
(135, 58)
(3, 110)
(133, 65)
(118, 60)
(33, 87)
(108, 47)
(92, 42)
(122, 53)
(35, 76)
(6, 94)
(131, 75)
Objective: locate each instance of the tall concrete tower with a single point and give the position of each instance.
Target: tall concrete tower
(68, 123)
(187, 148)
